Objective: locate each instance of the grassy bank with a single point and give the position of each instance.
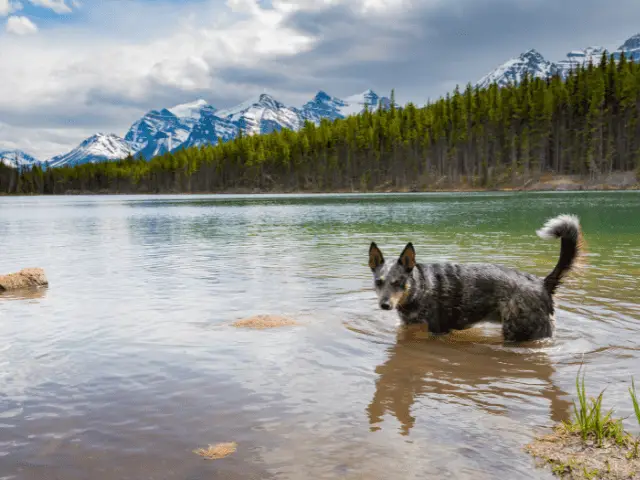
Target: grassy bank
(592, 444)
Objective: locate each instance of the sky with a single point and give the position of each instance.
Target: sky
(71, 68)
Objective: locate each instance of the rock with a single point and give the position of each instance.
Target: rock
(26, 278)
(216, 452)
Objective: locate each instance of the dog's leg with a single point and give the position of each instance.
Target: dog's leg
(521, 322)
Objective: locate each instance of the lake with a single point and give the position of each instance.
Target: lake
(129, 362)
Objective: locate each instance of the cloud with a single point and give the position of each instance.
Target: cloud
(8, 6)
(58, 6)
(106, 71)
(19, 25)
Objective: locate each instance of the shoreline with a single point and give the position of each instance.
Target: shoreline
(626, 181)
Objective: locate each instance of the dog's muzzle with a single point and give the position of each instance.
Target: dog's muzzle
(385, 305)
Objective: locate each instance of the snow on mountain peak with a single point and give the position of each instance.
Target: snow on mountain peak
(530, 63)
(535, 65)
(97, 148)
(191, 109)
(17, 158)
(262, 116)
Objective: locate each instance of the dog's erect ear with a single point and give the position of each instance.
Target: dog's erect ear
(375, 256)
(408, 257)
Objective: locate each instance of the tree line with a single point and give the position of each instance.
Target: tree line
(585, 124)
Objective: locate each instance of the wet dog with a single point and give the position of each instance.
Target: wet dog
(449, 296)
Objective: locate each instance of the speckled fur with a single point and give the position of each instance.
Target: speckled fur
(450, 296)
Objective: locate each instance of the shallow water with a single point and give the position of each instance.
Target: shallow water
(128, 361)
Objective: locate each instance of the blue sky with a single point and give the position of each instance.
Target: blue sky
(71, 68)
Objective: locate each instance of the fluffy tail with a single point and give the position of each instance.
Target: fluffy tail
(567, 229)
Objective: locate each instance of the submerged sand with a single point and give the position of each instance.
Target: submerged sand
(264, 321)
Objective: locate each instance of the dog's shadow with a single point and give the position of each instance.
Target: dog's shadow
(464, 367)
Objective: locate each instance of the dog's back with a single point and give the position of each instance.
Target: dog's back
(456, 296)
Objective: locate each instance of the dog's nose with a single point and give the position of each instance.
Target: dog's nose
(385, 306)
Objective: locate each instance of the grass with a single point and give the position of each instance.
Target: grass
(590, 421)
(634, 399)
(592, 444)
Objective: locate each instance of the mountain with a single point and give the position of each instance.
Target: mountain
(536, 65)
(631, 48)
(97, 148)
(17, 158)
(209, 129)
(580, 57)
(332, 108)
(162, 131)
(192, 110)
(263, 115)
(198, 123)
(514, 70)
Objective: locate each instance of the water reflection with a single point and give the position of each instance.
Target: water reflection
(469, 367)
(35, 293)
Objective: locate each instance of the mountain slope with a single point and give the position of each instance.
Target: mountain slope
(263, 115)
(97, 148)
(162, 131)
(332, 108)
(209, 129)
(17, 158)
(580, 57)
(514, 70)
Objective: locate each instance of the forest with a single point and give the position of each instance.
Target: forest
(586, 124)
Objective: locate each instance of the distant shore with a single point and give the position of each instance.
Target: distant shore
(617, 181)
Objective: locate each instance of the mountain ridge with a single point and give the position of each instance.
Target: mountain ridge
(536, 65)
(198, 123)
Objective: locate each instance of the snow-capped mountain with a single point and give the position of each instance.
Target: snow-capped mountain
(17, 158)
(97, 148)
(193, 110)
(144, 129)
(580, 57)
(264, 115)
(323, 106)
(514, 70)
(162, 131)
(356, 104)
(198, 123)
(536, 65)
(332, 108)
(209, 129)
(631, 48)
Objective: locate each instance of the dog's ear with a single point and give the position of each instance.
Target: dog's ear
(375, 256)
(408, 257)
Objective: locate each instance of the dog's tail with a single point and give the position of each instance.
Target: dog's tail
(567, 229)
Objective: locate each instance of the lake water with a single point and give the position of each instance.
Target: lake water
(128, 362)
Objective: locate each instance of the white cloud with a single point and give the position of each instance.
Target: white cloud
(58, 6)
(9, 6)
(5, 8)
(19, 25)
(47, 142)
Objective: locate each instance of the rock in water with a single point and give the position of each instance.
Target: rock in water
(26, 278)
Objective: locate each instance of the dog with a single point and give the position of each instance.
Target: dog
(449, 296)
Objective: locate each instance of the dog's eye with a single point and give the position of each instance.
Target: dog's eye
(379, 283)
(397, 284)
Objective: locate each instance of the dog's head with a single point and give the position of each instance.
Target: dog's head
(392, 280)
